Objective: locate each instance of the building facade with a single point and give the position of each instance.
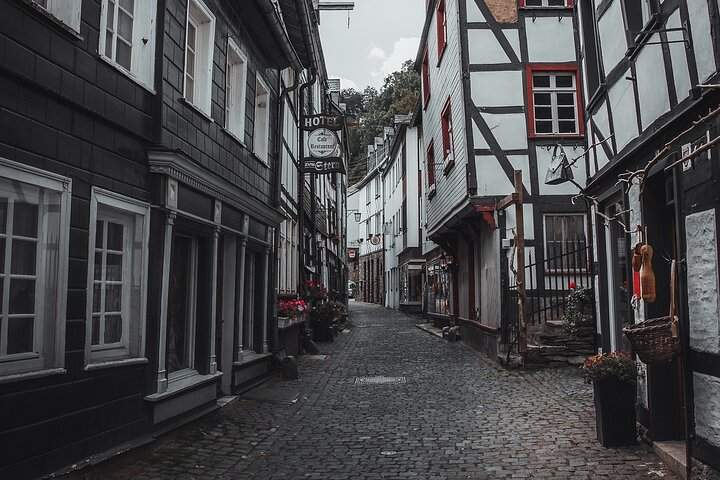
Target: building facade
(645, 70)
(141, 170)
(501, 93)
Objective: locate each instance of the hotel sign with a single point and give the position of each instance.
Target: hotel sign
(322, 144)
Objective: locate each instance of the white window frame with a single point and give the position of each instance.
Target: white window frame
(106, 205)
(261, 146)
(142, 61)
(200, 16)
(553, 90)
(236, 91)
(545, 238)
(66, 11)
(49, 331)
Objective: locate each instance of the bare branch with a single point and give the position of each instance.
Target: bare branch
(574, 160)
(697, 151)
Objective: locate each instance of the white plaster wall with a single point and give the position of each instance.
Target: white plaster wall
(550, 39)
(601, 119)
(473, 12)
(544, 157)
(489, 281)
(491, 178)
(528, 220)
(497, 89)
(611, 30)
(411, 179)
(509, 129)
(622, 106)
(702, 258)
(652, 87)
(707, 407)
(485, 49)
(353, 227)
(701, 40)
(678, 57)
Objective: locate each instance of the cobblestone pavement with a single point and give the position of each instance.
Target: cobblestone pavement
(458, 416)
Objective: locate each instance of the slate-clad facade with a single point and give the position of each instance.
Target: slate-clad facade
(645, 67)
(139, 212)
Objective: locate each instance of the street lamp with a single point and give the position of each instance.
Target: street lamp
(358, 215)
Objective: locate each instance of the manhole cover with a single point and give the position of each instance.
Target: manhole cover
(379, 380)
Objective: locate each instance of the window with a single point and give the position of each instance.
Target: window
(116, 277)
(127, 38)
(426, 77)
(199, 38)
(261, 135)
(430, 156)
(565, 245)
(182, 307)
(441, 29)
(236, 77)
(447, 137)
(546, 3)
(554, 101)
(34, 233)
(67, 11)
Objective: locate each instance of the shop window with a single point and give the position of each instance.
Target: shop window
(34, 226)
(554, 97)
(127, 38)
(181, 321)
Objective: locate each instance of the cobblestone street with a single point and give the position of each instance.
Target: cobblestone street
(457, 416)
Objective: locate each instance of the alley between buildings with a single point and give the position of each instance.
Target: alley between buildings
(388, 400)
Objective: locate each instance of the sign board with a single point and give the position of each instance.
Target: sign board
(322, 143)
(351, 253)
(326, 165)
(375, 240)
(313, 122)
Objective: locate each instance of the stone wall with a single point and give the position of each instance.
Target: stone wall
(550, 345)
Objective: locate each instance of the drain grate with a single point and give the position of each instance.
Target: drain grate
(379, 380)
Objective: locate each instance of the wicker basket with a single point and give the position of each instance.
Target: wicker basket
(653, 340)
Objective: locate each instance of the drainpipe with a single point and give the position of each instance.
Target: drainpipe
(278, 29)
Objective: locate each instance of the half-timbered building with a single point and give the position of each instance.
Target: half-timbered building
(650, 73)
(501, 93)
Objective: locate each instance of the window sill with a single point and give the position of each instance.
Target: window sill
(17, 377)
(115, 363)
(448, 164)
(262, 162)
(129, 75)
(556, 135)
(235, 137)
(547, 7)
(180, 386)
(197, 109)
(250, 357)
(53, 20)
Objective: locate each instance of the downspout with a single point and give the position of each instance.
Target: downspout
(301, 184)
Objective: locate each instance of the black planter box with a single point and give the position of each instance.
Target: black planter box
(322, 330)
(615, 412)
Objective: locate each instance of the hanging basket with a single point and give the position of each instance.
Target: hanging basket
(654, 340)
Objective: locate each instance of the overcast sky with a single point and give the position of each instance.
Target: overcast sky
(382, 35)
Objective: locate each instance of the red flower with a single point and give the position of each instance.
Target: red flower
(573, 285)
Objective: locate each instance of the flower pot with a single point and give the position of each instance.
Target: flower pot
(615, 412)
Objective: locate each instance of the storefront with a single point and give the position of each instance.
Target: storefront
(438, 288)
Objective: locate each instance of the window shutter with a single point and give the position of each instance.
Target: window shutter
(144, 42)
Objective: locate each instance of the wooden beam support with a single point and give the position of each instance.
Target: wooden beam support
(507, 201)
(520, 242)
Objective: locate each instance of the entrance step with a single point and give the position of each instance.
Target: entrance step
(672, 453)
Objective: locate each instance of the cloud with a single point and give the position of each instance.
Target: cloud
(403, 49)
(377, 53)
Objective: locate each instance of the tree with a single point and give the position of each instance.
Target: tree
(372, 110)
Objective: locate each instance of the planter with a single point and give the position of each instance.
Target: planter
(322, 330)
(615, 412)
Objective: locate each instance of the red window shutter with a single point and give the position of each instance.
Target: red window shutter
(426, 76)
(431, 164)
(441, 28)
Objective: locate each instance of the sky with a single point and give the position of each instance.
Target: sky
(382, 35)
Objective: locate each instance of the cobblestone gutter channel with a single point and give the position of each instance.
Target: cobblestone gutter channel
(456, 416)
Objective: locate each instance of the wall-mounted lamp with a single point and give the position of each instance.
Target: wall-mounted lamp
(358, 215)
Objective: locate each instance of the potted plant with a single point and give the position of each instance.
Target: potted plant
(322, 318)
(613, 376)
(290, 311)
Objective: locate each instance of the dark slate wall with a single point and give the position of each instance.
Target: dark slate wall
(206, 141)
(64, 110)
